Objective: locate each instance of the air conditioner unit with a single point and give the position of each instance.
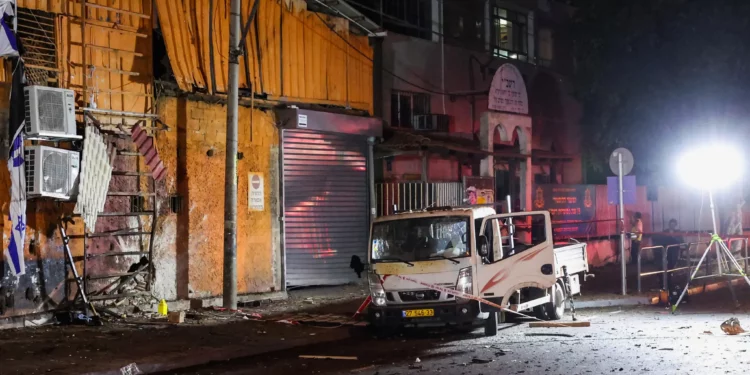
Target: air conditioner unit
(50, 113)
(432, 122)
(51, 172)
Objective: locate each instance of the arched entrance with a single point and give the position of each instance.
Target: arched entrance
(507, 123)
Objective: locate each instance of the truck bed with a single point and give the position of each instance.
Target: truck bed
(573, 256)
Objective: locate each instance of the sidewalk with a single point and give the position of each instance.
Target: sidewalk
(154, 345)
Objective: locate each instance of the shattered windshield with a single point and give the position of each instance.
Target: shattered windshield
(427, 238)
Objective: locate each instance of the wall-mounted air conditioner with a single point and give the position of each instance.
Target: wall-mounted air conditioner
(50, 113)
(51, 172)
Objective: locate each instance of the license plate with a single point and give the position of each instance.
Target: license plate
(418, 313)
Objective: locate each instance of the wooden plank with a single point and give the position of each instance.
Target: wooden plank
(111, 9)
(108, 49)
(42, 68)
(559, 324)
(348, 358)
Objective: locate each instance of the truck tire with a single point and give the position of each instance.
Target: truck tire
(490, 325)
(556, 308)
(540, 312)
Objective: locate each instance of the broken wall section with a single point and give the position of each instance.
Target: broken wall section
(188, 253)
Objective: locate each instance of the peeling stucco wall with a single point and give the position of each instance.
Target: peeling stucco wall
(193, 152)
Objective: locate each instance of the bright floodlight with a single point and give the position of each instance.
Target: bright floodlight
(711, 166)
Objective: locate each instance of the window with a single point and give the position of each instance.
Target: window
(510, 34)
(37, 31)
(546, 47)
(420, 239)
(464, 23)
(508, 238)
(407, 17)
(406, 105)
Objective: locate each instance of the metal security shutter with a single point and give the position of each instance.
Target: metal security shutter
(326, 205)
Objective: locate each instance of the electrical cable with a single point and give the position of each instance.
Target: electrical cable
(394, 75)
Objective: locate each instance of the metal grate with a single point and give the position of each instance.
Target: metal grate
(30, 165)
(55, 171)
(37, 31)
(51, 111)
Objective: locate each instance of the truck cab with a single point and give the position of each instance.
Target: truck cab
(441, 266)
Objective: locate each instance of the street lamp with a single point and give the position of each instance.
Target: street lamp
(711, 167)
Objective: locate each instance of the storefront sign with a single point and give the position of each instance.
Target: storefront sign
(571, 207)
(508, 91)
(479, 190)
(255, 196)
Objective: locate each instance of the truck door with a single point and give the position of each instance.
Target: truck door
(515, 250)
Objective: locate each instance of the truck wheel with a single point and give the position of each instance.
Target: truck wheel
(556, 308)
(490, 325)
(540, 312)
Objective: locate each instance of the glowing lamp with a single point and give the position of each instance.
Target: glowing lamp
(711, 166)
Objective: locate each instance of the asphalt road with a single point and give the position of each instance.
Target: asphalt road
(633, 340)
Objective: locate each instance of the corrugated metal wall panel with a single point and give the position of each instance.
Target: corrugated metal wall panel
(300, 58)
(325, 206)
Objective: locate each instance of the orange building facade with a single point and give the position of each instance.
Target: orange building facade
(293, 57)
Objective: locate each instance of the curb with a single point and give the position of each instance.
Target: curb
(175, 361)
(633, 301)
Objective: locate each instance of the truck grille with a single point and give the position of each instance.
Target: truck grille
(419, 295)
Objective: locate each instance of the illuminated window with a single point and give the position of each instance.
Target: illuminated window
(510, 34)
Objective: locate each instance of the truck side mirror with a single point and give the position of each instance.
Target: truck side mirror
(483, 246)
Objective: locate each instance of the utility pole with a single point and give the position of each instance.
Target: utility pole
(230, 175)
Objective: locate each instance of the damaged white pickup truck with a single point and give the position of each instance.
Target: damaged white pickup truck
(507, 259)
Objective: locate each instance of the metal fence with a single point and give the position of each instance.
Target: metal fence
(689, 253)
(405, 196)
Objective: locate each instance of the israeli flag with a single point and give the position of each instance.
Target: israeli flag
(8, 41)
(17, 209)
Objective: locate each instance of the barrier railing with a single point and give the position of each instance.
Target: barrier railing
(700, 246)
(640, 252)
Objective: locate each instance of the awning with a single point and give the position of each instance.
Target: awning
(544, 156)
(402, 141)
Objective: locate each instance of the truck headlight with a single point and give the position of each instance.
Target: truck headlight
(378, 297)
(465, 282)
(376, 290)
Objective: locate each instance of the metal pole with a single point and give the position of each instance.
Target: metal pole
(622, 225)
(716, 232)
(15, 15)
(230, 173)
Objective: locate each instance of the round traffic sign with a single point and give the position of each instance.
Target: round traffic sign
(256, 181)
(627, 161)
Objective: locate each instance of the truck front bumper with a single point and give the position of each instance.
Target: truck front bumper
(451, 313)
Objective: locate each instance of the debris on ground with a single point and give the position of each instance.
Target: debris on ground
(176, 317)
(417, 360)
(732, 327)
(557, 325)
(666, 349)
(370, 367)
(550, 334)
(708, 333)
(481, 360)
(415, 367)
(338, 357)
(290, 322)
(130, 369)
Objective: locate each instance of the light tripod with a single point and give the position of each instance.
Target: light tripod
(721, 252)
